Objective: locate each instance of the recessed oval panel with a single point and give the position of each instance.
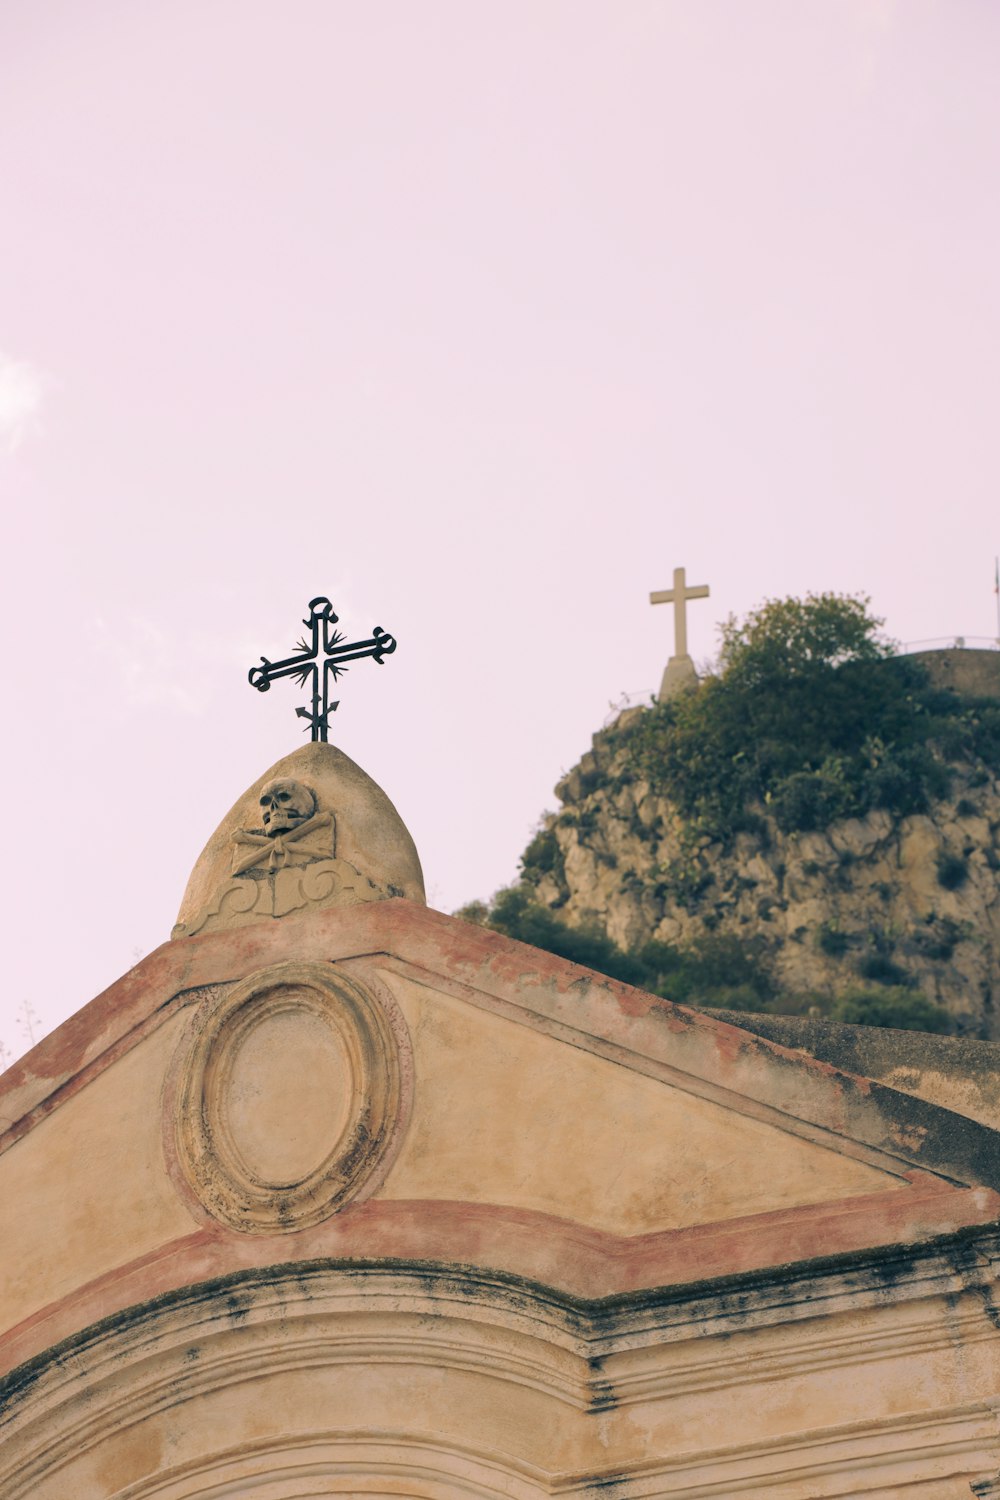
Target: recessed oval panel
(288, 1096)
(291, 1096)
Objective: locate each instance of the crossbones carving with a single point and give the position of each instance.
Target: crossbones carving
(288, 812)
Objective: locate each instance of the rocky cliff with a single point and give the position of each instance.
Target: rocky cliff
(881, 899)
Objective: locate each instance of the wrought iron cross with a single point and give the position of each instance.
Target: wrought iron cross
(321, 660)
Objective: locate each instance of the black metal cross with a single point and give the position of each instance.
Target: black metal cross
(324, 649)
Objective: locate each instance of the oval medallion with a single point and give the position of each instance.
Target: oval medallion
(289, 1097)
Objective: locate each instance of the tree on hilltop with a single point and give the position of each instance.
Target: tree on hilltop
(812, 717)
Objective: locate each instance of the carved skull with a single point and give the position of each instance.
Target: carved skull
(285, 805)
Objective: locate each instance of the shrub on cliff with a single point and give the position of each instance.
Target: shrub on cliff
(811, 715)
(542, 857)
(716, 970)
(897, 1006)
(517, 914)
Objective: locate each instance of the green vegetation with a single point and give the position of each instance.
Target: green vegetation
(890, 1005)
(952, 870)
(831, 940)
(808, 718)
(881, 968)
(811, 717)
(542, 857)
(716, 970)
(939, 937)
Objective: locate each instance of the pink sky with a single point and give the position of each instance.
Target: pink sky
(479, 318)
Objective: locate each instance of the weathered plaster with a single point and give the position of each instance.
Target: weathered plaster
(85, 1191)
(491, 1386)
(502, 1112)
(959, 1073)
(612, 1245)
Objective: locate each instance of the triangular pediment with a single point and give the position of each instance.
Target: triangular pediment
(508, 1114)
(385, 1083)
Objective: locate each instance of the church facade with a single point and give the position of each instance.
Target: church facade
(335, 1195)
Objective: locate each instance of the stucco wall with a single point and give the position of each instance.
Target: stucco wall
(561, 1237)
(973, 673)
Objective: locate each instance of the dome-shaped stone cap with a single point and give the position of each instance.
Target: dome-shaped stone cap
(369, 838)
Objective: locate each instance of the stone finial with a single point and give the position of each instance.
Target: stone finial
(314, 831)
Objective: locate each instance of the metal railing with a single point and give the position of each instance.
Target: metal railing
(904, 648)
(644, 696)
(952, 643)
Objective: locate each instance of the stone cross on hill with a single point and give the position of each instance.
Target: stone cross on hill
(679, 673)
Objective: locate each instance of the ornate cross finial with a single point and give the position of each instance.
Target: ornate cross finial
(680, 672)
(320, 661)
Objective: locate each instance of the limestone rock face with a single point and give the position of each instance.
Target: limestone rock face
(873, 899)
